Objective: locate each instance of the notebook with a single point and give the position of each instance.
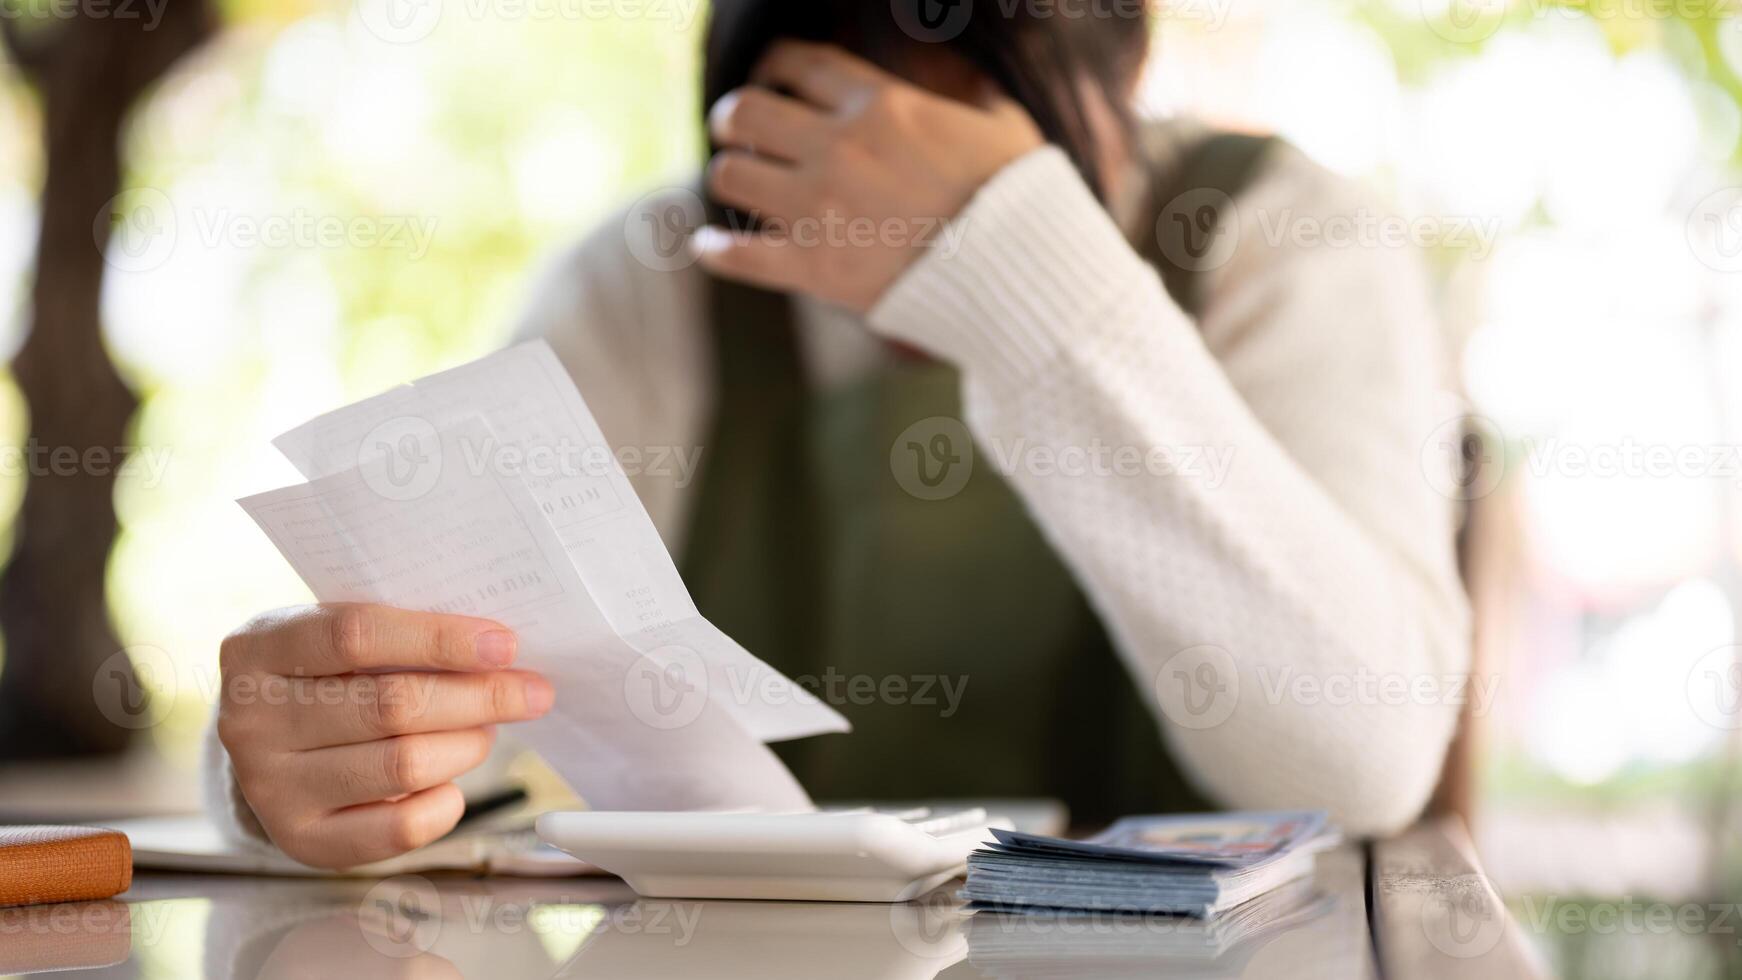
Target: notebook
(194, 843)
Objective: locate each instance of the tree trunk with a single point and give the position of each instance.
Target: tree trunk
(63, 689)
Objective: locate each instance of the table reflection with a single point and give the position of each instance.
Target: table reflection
(776, 940)
(69, 936)
(236, 927)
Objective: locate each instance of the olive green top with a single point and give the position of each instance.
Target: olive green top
(834, 537)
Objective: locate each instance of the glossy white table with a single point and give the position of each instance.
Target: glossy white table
(1432, 914)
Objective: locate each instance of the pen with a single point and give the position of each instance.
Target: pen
(484, 806)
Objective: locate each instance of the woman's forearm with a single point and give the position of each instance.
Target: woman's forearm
(1301, 562)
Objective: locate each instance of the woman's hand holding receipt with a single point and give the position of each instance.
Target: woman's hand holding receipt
(851, 147)
(347, 724)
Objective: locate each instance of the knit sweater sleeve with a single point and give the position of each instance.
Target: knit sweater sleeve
(1243, 498)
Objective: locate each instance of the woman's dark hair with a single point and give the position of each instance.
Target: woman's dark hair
(1040, 52)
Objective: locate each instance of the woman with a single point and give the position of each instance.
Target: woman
(1189, 558)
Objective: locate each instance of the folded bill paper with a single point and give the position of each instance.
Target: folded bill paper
(489, 491)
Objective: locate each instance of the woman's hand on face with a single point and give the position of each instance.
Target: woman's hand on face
(850, 175)
(347, 724)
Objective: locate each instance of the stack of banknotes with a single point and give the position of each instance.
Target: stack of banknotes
(1195, 864)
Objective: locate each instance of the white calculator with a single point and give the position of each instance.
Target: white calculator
(820, 856)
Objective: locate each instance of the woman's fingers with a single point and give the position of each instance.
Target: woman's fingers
(377, 831)
(333, 711)
(757, 259)
(350, 775)
(769, 123)
(818, 73)
(343, 638)
(757, 185)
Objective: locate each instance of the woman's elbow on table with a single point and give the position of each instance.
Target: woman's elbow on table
(1373, 766)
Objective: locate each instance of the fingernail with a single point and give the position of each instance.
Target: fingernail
(539, 696)
(496, 648)
(707, 239)
(721, 109)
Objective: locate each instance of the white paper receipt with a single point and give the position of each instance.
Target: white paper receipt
(489, 491)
